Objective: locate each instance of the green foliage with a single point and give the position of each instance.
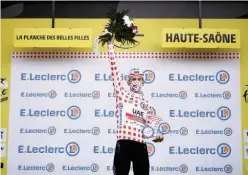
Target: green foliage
(117, 27)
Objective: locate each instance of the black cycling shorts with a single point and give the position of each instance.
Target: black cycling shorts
(128, 151)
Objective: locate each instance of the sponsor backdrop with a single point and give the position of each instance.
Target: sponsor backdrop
(61, 120)
(65, 112)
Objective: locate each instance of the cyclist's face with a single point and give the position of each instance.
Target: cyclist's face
(136, 78)
(136, 83)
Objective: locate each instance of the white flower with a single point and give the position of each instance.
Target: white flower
(106, 31)
(4, 84)
(127, 21)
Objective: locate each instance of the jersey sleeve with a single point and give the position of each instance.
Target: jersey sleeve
(153, 121)
(114, 70)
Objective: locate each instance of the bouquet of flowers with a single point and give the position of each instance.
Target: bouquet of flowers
(120, 28)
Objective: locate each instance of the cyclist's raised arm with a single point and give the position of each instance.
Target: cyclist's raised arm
(114, 69)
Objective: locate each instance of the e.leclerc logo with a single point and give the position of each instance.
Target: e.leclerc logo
(222, 150)
(73, 113)
(85, 168)
(73, 76)
(51, 94)
(95, 94)
(149, 77)
(221, 77)
(225, 95)
(181, 168)
(226, 131)
(49, 131)
(226, 169)
(71, 149)
(223, 113)
(181, 95)
(49, 167)
(93, 131)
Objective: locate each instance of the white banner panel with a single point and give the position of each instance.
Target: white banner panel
(62, 111)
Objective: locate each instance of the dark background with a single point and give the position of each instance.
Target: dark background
(138, 9)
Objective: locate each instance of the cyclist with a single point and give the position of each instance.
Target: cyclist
(133, 113)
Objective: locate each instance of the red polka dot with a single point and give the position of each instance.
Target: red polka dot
(136, 105)
(138, 135)
(124, 132)
(125, 101)
(122, 93)
(136, 101)
(138, 130)
(129, 138)
(138, 140)
(129, 127)
(134, 129)
(124, 126)
(134, 139)
(129, 133)
(120, 98)
(119, 84)
(134, 134)
(120, 131)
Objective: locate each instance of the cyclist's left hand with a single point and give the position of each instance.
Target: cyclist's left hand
(159, 138)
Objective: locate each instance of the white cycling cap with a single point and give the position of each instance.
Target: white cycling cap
(136, 72)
